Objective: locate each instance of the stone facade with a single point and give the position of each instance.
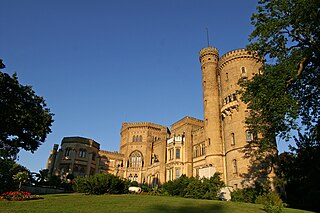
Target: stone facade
(153, 154)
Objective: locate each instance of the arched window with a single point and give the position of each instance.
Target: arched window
(243, 70)
(134, 138)
(235, 166)
(140, 138)
(130, 177)
(135, 159)
(135, 177)
(177, 153)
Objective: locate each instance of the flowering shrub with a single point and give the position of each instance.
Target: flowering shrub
(18, 196)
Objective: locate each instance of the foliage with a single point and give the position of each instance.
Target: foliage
(100, 184)
(25, 118)
(42, 176)
(271, 201)
(285, 97)
(18, 196)
(133, 183)
(21, 177)
(299, 173)
(8, 168)
(194, 187)
(247, 195)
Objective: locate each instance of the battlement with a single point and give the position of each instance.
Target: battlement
(126, 125)
(208, 51)
(235, 54)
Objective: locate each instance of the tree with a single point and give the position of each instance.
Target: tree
(287, 32)
(25, 118)
(21, 177)
(286, 96)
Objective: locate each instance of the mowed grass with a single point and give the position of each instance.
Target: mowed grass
(127, 203)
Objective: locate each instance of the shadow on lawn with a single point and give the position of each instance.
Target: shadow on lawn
(186, 209)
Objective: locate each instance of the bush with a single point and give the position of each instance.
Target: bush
(247, 195)
(271, 201)
(194, 187)
(100, 184)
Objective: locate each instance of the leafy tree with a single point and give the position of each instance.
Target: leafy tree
(287, 32)
(21, 177)
(286, 95)
(25, 118)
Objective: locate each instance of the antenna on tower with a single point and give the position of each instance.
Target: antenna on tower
(208, 37)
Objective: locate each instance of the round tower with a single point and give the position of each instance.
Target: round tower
(233, 66)
(210, 85)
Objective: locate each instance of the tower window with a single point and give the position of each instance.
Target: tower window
(248, 136)
(233, 139)
(235, 166)
(209, 59)
(243, 70)
(227, 76)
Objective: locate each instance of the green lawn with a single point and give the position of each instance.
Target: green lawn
(127, 203)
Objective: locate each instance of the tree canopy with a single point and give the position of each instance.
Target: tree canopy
(25, 118)
(286, 36)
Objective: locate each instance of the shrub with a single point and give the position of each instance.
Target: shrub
(271, 201)
(194, 187)
(247, 195)
(100, 184)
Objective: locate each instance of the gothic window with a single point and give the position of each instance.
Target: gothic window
(135, 159)
(177, 153)
(82, 153)
(67, 152)
(233, 139)
(235, 166)
(130, 177)
(140, 138)
(134, 138)
(243, 70)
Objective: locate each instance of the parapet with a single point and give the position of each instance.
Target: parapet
(208, 51)
(81, 140)
(127, 125)
(235, 54)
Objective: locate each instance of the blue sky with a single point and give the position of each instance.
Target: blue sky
(99, 63)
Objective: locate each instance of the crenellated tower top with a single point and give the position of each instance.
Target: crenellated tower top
(206, 52)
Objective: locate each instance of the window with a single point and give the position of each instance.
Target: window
(233, 139)
(93, 156)
(134, 138)
(67, 153)
(135, 177)
(235, 166)
(140, 138)
(248, 136)
(234, 96)
(243, 70)
(130, 177)
(177, 153)
(203, 149)
(177, 173)
(227, 76)
(209, 141)
(82, 153)
(135, 159)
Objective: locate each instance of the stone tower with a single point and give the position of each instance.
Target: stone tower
(233, 66)
(209, 58)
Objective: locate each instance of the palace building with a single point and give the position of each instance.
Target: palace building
(153, 154)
